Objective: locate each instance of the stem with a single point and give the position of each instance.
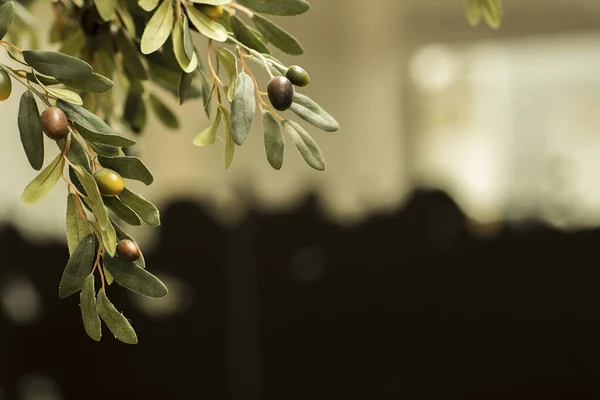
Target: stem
(178, 10)
(241, 8)
(19, 79)
(213, 74)
(256, 54)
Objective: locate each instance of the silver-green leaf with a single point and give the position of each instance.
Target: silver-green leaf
(243, 108)
(306, 145)
(30, 129)
(208, 136)
(123, 212)
(89, 310)
(78, 267)
(274, 143)
(94, 198)
(116, 322)
(276, 35)
(206, 26)
(142, 207)
(277, 7)
(77, 227)
(94, 83)
(57, 65)
(248, 35)
(128, 167)
(314, 114)
(134, 278)
(7, 13)
(158, 29)
(43, 183)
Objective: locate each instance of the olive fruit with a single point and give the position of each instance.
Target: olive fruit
(54, 123)
(212, 12)
(5, 85)
(109, 182)
(298, 76)
(128, 250)
(281, 93)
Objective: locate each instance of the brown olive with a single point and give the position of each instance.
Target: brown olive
(281, 93)
(212, 12)
(128, 250)
(54, 123)
(298, 76)
(109, 182)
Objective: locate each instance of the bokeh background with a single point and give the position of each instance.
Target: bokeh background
(447, 252)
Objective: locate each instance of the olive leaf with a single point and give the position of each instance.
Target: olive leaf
(128, 167)
(94, 83)
(77, 227)
(30, 129)
(89, 310)
(276, 35)
(116, 322)
(134, 68)
(134, 278)
(314, 114)
(229, 62)
(208, 136)
(77, 153)
(135, 112)
(106, 150)
(473, 11)
(248, 35)
(148, 5)
(188, 43)
(7, 13)
(211, 2)
(492, 12)
(123, 212)
(45, 80)
(158, 29)
(94, 199)
(277, 7)
(164, 114)
(78, 267)
(108, 237)
(306, 145)
(121, 234)
(57, 65)
(206, 26)
(43, 183)
(105, 8)
(229, 144)
(65, 95)
(243, 108)
(274, 143)
(126, 17)
(142, 207)
(187, 63)
(91, 127)
(185, 84)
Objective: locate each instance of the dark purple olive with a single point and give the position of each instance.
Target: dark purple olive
(281, 93)
(54, 123)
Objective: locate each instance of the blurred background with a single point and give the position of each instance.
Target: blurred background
(447, 252)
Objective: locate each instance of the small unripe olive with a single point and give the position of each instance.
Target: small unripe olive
(5, 85)
(128, 250)
(54, 123)
(298, 76)
(212, 12)
(109, 182)
(281, 93)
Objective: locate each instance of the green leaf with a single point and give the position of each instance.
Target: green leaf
(243, 108)
(43, 183)
(78, 267)
(276, 35)
(274, 143)
(164, 113)
(7, 13)
(30, 129)
(66, 95)
(135, 113)
(311, 112)
(207, 26)
(208, 136)
(134, 278)
(277, 7)
(493, 12)
(123, 212)
(211, 2)
(134, 68)
(44, 80)
(94, 199)
(129, 168)
(126, 17)
(229, 62)
(158, 29)
(306, 145)
(473, 11)
(142, 207)
(57, 65)
(187, 63)
(106, 150)
(77, 227)
(148, 5)
(188, 42)
(91, 127)
(185, 84)
(116, 322)
(229, 144)
(94, 83)
(248, 35)
(89, 310)
(106, 8)
(108, 237)
(77, 153)
(121, 234)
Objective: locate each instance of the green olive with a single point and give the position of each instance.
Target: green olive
(281, 93)
(128, 250)
(298, 76)
(109, 182)
(54, 123)
(212, 12)
(5, 85)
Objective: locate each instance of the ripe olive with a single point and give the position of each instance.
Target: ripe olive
(212, 12)
(54, 123)
(298, 76)
(281, 93)
(5, 85)
(109, 182)
(128, 250)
